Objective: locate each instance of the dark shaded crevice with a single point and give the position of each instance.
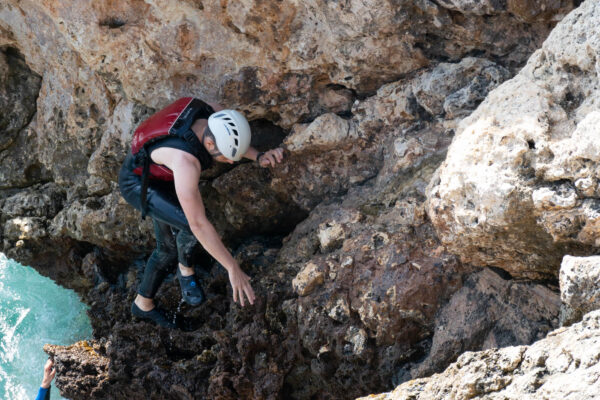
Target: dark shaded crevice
(112, 22)
(19, 93)
(501, 273)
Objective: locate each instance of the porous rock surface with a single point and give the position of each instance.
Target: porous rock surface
(352, 281)
(519, 187)
(579, 287)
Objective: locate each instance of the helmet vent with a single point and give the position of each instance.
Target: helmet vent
(231, 131)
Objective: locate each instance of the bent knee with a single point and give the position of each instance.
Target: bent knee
(164, 260)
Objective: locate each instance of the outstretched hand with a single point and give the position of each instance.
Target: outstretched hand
(240, 283)
(271, 157)
(49, 373)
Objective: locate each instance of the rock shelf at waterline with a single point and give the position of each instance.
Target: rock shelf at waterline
(34, 311)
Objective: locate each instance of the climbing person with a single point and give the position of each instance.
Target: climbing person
(49, 373)
(160, 177)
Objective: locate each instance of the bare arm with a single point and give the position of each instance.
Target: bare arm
(186, 170)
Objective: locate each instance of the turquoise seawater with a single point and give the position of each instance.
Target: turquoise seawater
(33, 311)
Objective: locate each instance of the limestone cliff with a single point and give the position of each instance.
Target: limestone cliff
(357, 289)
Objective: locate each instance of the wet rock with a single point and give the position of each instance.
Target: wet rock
(579, 277)
(81, 368)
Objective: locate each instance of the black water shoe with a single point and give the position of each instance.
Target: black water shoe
(190, 289)
(157, 316)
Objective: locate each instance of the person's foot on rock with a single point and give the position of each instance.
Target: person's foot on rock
(191, 292)
(156, 315)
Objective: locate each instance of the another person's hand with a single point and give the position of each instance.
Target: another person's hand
(240, 283)
(271, 157)
(49, 373)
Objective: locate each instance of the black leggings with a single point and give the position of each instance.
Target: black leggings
(174, 239)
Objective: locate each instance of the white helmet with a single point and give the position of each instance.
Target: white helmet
(232, 133)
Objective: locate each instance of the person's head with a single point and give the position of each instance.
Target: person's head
(227, 136)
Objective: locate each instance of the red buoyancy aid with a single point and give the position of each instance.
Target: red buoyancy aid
(176, 119)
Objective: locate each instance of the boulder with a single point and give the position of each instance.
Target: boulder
(518, 188)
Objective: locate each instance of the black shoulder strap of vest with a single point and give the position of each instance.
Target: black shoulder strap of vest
(145, 179)
(197, 109)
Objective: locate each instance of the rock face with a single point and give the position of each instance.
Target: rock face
(519, 189)
(579, 278)
(353, 284)
(488, 312)
(83, 368)
(562, 366)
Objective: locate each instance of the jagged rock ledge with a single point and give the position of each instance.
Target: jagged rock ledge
(564, 365)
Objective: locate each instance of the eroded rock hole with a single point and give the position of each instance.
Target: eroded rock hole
(112, 22)
(33, 173)
(571, 101)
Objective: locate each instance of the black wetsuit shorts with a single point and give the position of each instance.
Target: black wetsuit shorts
(174, 239)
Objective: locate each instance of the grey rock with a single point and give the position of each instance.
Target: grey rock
(579, 287)
(489, 312)
(564, 365)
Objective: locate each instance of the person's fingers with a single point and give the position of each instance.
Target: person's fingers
(48, 366)
(242, 297)
(279, 154)
(235, 295)
(268, 159)
(249, 291)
